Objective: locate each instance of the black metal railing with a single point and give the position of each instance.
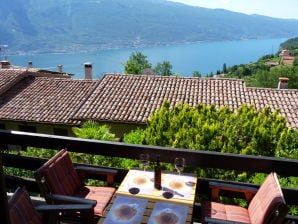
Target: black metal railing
(203, 159)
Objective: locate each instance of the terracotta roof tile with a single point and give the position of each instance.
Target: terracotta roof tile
(284, 99)
(124, 98)
(9, 77)
(133, 98)
(44, 100)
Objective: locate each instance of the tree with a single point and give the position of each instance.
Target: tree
(224, 68)
(205, 127)
(163, 68)
(295, 62)
(136, 63)
(92, 130)
(248, 131)
(196, 74)
(269, 79)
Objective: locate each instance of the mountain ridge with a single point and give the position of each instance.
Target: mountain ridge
(72, 25)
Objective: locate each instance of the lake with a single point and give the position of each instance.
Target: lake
(205, 57)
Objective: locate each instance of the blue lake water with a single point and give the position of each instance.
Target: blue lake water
(205, 57)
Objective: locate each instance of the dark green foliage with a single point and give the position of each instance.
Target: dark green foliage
(288, 144)
(247, 131)
(163, 68)
(196, 74)
(224, 68)
(290, 44)
(31, 151)
(244, 70)
(295, 63)
(270, 78)
(136, 63)
(207, 128)
(92, 130)
(134, 137)
(266, 57)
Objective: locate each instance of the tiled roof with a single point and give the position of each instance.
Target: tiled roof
(45, 100)
(9, 77)
(132, 98)
(284, 99)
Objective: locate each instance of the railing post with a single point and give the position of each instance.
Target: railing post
(4, 216)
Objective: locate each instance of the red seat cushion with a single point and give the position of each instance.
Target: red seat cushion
(260, 210)
(266, 201)
(102, 195)
(21, 209)
(225, 212)
(62, 178)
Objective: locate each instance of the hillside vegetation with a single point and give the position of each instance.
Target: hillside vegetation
(73, 25)
(290, 44)
(266, 71)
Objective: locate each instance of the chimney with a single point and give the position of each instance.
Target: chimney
(283, 83)
(60, 68)
(30, 64)
(5, 64)
(88, 70)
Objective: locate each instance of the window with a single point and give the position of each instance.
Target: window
(27, 128)
(2, 126)
(60, 131)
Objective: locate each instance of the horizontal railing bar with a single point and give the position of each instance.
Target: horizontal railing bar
(33, 163)
(194, 158)
(202, 159)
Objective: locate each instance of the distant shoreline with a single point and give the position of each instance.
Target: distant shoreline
(124, 47)
(206, 57)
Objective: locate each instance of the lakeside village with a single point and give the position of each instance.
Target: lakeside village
(57, 102)
(49, 102)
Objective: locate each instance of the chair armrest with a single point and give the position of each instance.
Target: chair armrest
(64, 199)
(249, 192)
(86, 211)
(64, 207)
(109, 173)
(220, 221)
(291, 219)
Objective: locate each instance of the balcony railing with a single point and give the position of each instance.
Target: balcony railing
(202, 159)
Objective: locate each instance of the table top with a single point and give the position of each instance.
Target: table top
(149, 205)
(135, 210)
(183, 187)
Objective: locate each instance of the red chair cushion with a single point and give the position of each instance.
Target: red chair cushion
(266, 200)
(21, 209)
(225, 212)
(61, 175)
(102, 195)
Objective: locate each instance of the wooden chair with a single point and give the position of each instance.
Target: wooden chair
(59, 176)
(22, 211)
(266, 206)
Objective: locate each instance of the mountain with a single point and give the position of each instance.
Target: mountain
(76, 25)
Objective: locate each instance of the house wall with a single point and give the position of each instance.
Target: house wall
(119, 129)
(40, 128)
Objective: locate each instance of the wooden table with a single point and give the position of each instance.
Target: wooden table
(149, 204)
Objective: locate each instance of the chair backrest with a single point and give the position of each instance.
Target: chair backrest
(21, 208)
(58, 175)
(268, 205)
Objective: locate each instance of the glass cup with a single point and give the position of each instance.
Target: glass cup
(144, 160)
(179, 164)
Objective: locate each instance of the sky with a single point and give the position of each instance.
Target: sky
(286, 9)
